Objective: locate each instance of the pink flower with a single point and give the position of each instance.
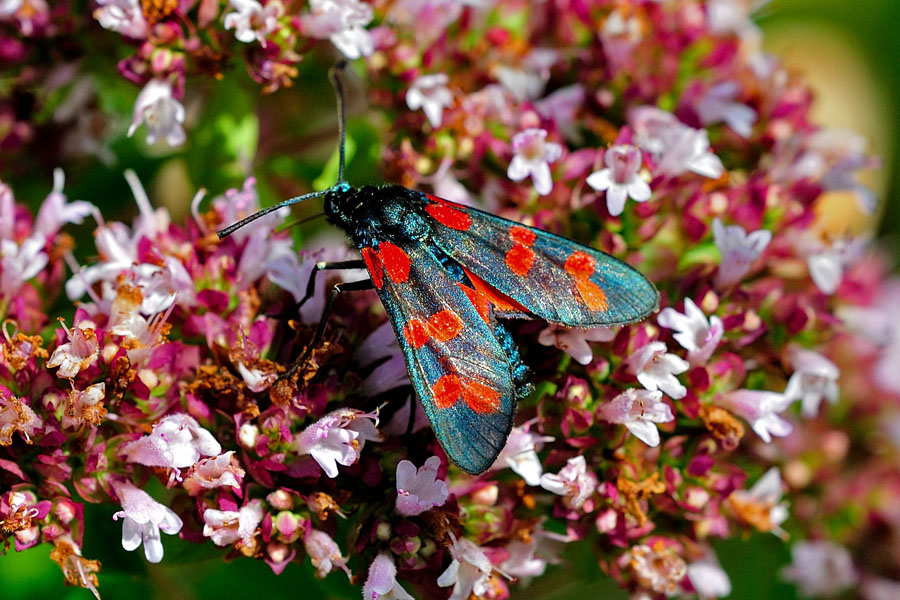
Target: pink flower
(324, 553)
(658, 568)
(161, 112)
(766, 493)
(468, 573)
(144, 518)
(20, 263)
(532, 155)
(760, 409)
(708, 578)
(343, 22)
(227, 527)
(382, 584)
(820, 568)
(124, 16)
(676, 147)
(695, 333)
(56, 212)
(520, 454)
(574, 340)
(638, 410)
(76, 355)
(430, 93)
(573, 481)
(739, 251)
(176, 442)
(719, 105)
(337, 438)
(16, 416)
(621, 178)
(418, 491)
(656, 369)
(84, 406)
(815, 377)
(211, 473)
(253, 21)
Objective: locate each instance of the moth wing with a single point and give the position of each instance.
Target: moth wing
(552, 277)
(460, 372)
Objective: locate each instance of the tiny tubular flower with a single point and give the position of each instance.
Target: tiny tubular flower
(657, 568)
(574, 341)
(820, 568)
(337, 438)
(214, 472)
(656, 369)
(20, 263)
(719, 105)
(469, 571)
(15, 416)
(430, 93)
(227, 527)
(56, 212)
(696, 334)
(176, 442)
(144, 518)
(621, 179)
(382, 584)
(574, 482)
(520, 454)
(343, 22)
(161, 112)
(532, 156)
(253, 21)
(815, 377)
(76, 355)
(739, 251)
(418, 491)
(324, 553)
(124, 16)
(761, 505)
(708, 578)
(639, 411)
(760, 408)
(676, 147)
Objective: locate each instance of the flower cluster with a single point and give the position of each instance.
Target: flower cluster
(763, 396)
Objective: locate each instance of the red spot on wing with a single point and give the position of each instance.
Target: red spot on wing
(519, 259)
(445, 325)
(580, 265)
(395, 261)
(374, 265)
(523, 235)
(482, 296)
(416, 333)
(449, 216)
(481, 398)
(447, 390)
(479, 301)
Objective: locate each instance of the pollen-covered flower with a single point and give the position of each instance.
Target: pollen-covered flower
(815, 377)
(227, 527)
(574, 482)
(419, 490)
(696, 334)
(657, 568)
(520, 454)
(469, 572)
(820, 568)
(574, 341)
(253, 21)
(532, 156)
(639, 411)
(656, 369)
(163, 115)
(337, 438)
(760, 408)
(430, 93)
(343, 22)
(382, 584)
(15, 416)
(761, 505)
(76, 355)
(739, 251)
(144, 518)
(214, 472)
(621, 179)
(176, 442)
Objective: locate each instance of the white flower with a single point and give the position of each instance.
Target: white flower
(676, 147)
(251, 20)
(574, 340)
(532, 155)
(760, 409)
(76, 355)
(124, 16)
(343, 22)
(324, 552)
(19, 264)
(469, 572)
(765, 496)
(144, 518)
(430, 93)
(695, 333)
(226, 527)
(418, 491)
(708, 578)
(739, 251)
(337, 438)
(639, 411)
(176, 441)
(573, 481)
(520, 454)
(382, 584)
(815, 377)
(820, 568)
(621, 178)
(718, 105)
(56, 212)
(656, 369)
(161, 112)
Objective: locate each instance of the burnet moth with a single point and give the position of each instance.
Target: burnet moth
(445, 274)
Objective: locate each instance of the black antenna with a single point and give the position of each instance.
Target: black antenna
(342, 134)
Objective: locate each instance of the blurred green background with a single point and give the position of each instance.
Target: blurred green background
(847, 49)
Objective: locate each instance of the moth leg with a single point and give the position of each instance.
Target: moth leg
(336, 290)
(311, 284)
